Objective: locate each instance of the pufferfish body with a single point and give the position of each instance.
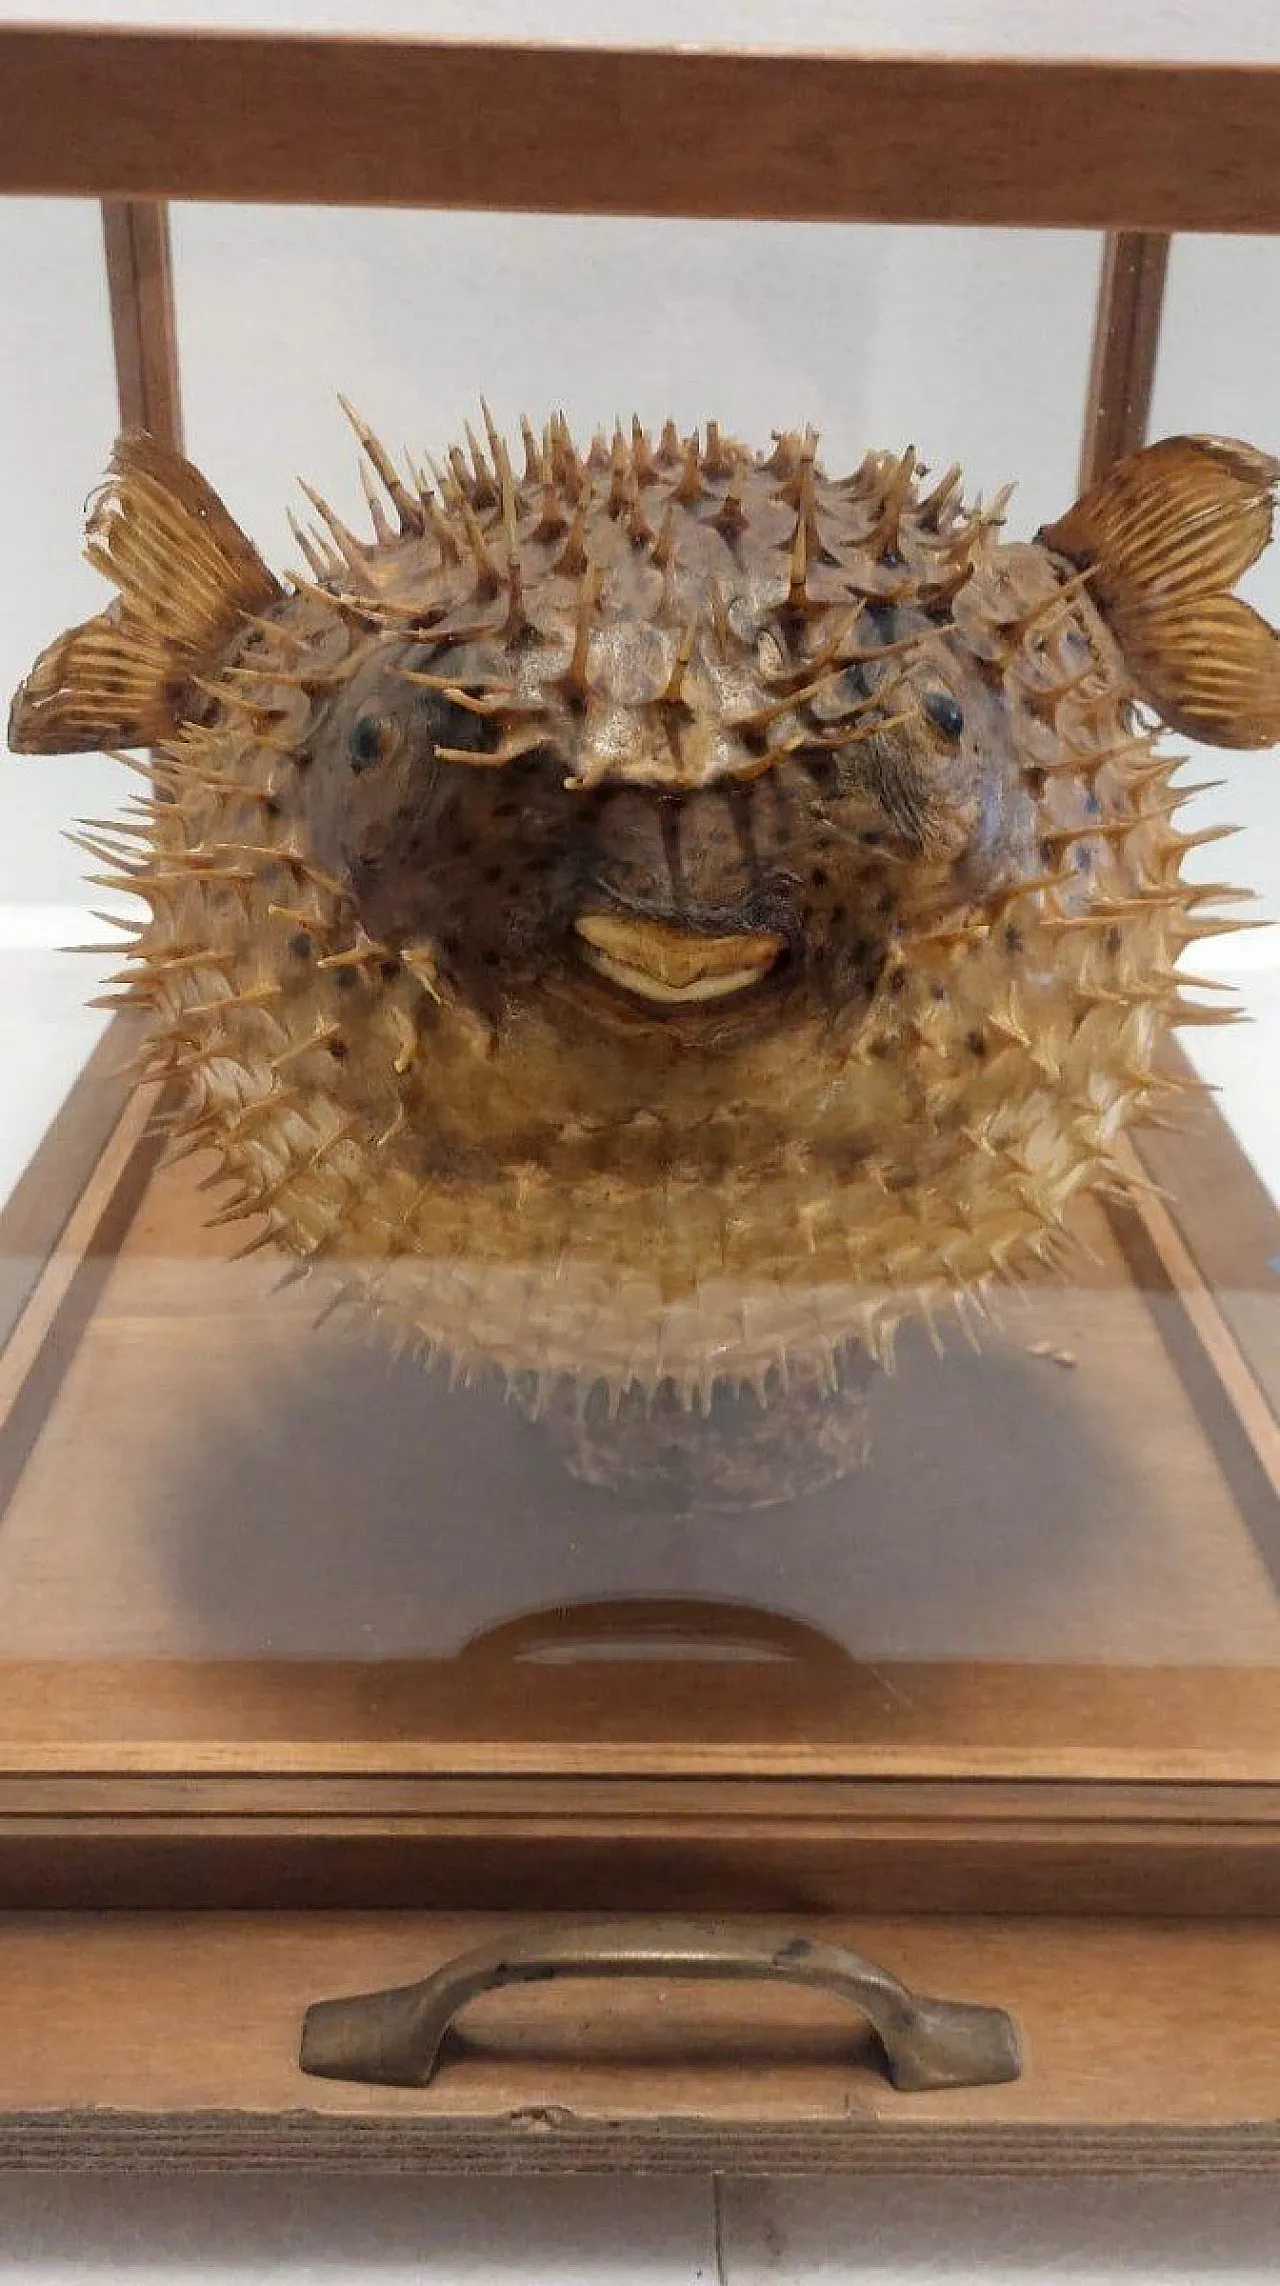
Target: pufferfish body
(652, 922)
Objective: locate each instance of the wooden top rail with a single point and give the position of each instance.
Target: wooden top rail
(833, 137)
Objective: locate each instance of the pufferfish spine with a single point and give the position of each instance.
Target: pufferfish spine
(656, 921)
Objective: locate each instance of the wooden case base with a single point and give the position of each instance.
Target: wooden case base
(170, 2043)
(1086, 1721)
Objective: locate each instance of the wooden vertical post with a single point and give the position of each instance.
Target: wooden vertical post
(1126, 337)
(140, 287)
(144, 330)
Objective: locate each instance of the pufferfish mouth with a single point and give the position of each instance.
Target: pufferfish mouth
(671, 966)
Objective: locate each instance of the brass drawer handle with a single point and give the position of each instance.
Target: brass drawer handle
(394, 2038)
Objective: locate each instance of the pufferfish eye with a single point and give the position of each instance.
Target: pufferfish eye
(374, 739)
(944, 712)
(770, 656)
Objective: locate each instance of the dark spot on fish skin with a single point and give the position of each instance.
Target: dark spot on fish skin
(1035, 780)
(945, 712)
(388, 970)
(1014, 941)
(300, 946)
(347, 980)
(366, 743)
(975, 1043)
(897, 983)
(1113, 941)
(878, 615)
(937, 990)
(339, 1051)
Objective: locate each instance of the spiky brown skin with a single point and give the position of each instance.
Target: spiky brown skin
(699, 686)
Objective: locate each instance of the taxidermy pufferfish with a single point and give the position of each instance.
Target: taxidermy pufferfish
(653, 922)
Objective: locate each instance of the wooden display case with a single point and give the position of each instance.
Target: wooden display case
(312, 1673)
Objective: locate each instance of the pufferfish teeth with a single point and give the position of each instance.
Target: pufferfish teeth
(674, 966)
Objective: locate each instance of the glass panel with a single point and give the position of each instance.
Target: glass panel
(866, 332)
(666, 1091)
(1219, 370)
(57, 396)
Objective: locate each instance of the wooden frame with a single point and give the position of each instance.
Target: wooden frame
(1126, 337)
(644, 131)
(1172, 2061)
(143, 320)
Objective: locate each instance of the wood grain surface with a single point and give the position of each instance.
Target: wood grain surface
(1098, 144)
(163, 2041)
(1126, 340)
(139, 264)
(654, 1845)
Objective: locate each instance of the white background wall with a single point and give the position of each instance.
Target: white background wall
(57, 418)
(1239, 30)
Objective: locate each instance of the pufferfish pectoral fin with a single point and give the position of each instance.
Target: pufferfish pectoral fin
(1167, 533)
(186, 575)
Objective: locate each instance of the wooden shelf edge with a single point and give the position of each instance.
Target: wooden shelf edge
(547, 2140)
